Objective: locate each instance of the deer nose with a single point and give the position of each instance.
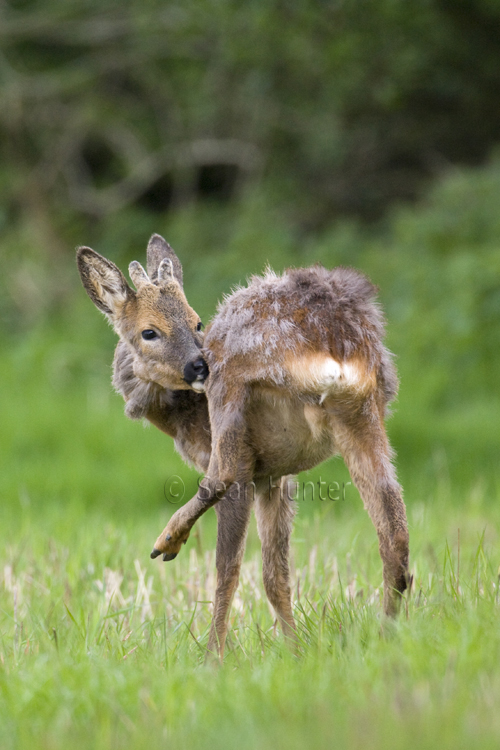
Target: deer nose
(196, 371)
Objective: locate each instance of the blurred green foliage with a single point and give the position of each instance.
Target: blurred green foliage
(247, 134)
(342, 107)
(438, 268)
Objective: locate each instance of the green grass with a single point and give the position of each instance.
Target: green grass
(101, 647)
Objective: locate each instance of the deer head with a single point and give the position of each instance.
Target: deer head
(155, 320)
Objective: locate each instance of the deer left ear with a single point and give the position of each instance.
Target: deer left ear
(157, 251)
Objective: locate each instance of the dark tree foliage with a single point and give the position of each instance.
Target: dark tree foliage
(344, 107)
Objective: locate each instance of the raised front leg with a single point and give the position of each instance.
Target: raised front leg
(229, 474)
(275, 512)
(231, 462)
(177, 530)
(367, 454)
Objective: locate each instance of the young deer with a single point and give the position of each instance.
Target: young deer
(297, 372)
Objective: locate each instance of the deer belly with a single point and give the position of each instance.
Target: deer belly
(289, 436)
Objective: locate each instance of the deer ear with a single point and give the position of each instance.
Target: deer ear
(103, 281)
(159, 250)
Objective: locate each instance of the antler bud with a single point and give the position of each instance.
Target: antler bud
(138, 275)
(166, 272)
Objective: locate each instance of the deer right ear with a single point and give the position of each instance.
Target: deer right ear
(157, 251)
(103, 281)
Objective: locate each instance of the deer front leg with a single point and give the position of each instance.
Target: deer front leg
(177, 530)
(233, 515)
(230, 460)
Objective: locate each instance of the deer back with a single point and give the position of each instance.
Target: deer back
(310, 331)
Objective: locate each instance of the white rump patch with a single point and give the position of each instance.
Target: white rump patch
(323, 374)
(327, 373)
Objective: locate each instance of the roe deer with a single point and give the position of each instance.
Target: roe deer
(297, 372)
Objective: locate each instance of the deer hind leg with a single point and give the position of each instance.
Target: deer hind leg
(362, 441)
(275, 512)
(233, 514)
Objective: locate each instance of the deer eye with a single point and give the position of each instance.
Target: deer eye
(199, 326)
(149, 334)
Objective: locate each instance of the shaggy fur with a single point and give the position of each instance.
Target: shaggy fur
(298, 373)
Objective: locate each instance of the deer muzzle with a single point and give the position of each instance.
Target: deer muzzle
(195, 373)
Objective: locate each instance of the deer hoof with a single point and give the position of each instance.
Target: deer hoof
(155, 553)
(171, 556)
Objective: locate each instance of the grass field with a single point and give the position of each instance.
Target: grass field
(100, 647)
(103, 648)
